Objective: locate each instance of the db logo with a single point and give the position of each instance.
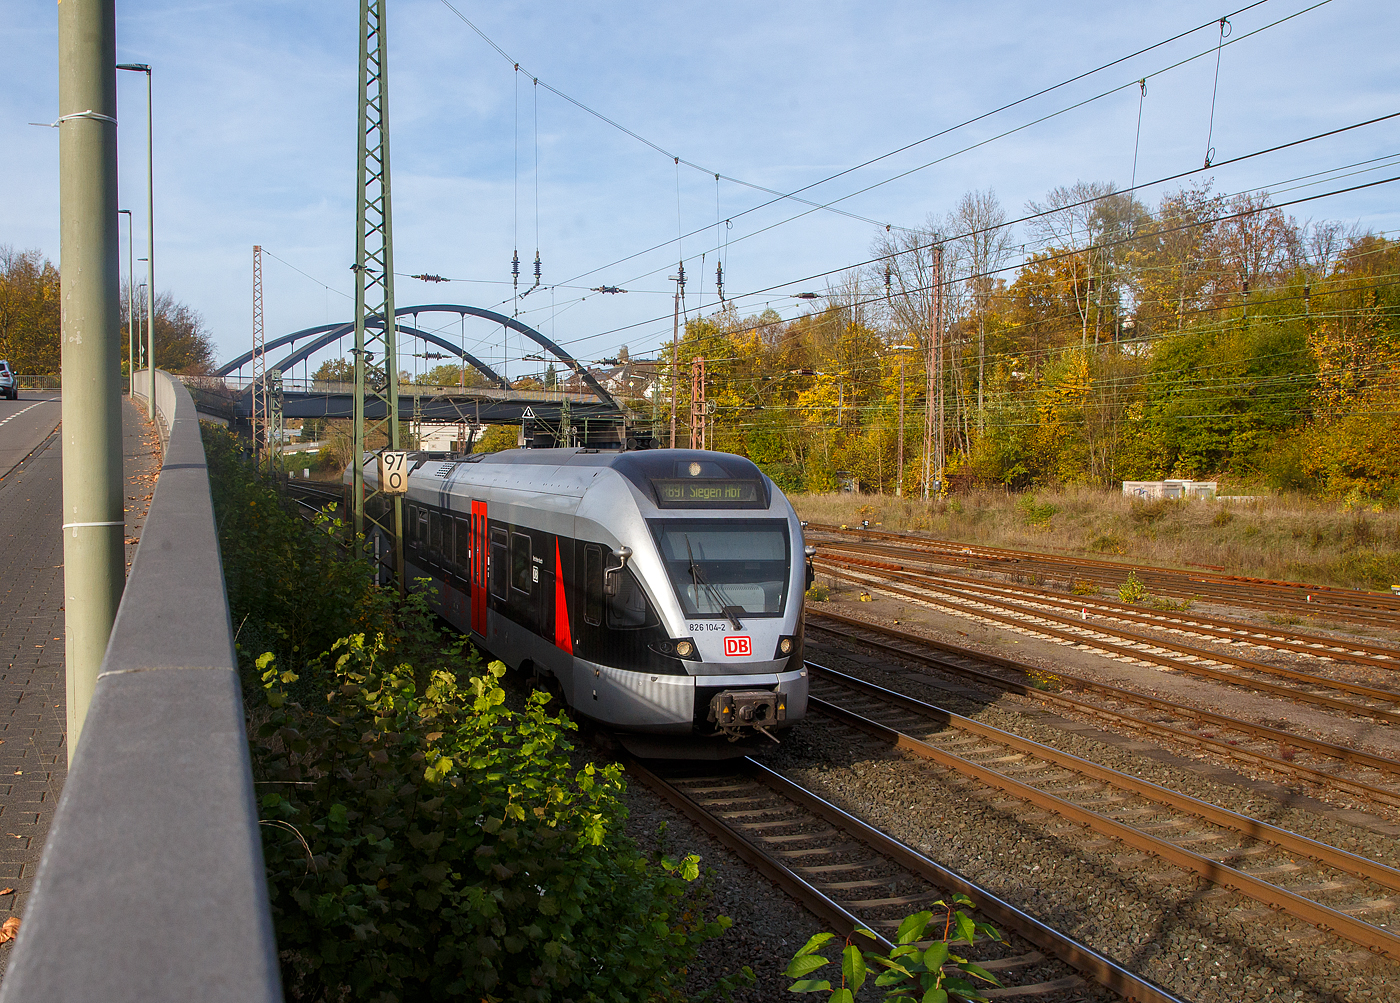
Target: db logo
(738, 645)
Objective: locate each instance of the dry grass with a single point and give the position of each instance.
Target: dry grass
(1285, 537)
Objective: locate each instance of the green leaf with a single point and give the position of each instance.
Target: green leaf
(912, 928)
(815, 942)
(892, 976)
(853, 967)
(936, 956)
(935, 996)
(962, 987)
(981, 973)
(804, 964)
(842, 996)
(809, 986)
(967, 930)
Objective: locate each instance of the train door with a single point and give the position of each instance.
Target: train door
(478, 572)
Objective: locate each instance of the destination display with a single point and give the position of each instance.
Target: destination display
(707, 492)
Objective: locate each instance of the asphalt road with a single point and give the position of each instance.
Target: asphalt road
(24, 424)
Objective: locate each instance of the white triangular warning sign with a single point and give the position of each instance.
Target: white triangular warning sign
(529, 413)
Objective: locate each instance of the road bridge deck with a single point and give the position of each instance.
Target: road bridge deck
(33, 754)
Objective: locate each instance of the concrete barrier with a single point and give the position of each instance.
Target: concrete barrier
(152, 885)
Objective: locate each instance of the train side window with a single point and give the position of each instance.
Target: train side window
(435, 534)
(520, 563)
(464, 545)
(628, 607)
(420, 524)
(412, 527)
(498, 568)
(593, 584)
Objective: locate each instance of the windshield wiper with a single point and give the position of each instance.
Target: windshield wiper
(697, 578)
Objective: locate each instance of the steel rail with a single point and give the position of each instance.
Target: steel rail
(1371, 605)
(1155, 578)
(1285, 739)
(1374, 693)
(1085, 959)
(1192, 668)
(1380, 599)
(1324, 918)
(1316, 645)
(1251, 828)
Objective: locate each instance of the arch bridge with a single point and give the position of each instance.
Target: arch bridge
(306, 342)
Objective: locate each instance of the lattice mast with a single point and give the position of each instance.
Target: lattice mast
(259, 388)
(698, 404)
(933, 400)
(376, 386)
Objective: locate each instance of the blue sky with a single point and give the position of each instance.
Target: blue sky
(255, 106)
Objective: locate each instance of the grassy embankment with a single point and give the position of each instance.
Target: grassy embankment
(1284, 537)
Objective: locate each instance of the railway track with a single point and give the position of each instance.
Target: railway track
(1349, 649)
(1372, 608)
(1293, 756)
(1355, 699)
(1320, 884)
(852, 875)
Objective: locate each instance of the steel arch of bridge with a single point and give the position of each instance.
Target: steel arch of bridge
(326, 333)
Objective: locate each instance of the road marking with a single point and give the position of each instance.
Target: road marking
(31, 407)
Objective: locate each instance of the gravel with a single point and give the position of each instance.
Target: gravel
(1203, 943)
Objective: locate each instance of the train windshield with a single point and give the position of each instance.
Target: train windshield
(726, 567)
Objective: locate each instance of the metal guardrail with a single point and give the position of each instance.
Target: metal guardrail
(152, 884)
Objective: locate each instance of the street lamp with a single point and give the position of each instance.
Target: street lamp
(899, 476)
(150, 240)
(130, 306)
(141, 345)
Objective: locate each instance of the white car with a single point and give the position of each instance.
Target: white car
(9, 386)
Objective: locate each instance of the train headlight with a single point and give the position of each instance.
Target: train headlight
(785, 646)
(678, 647)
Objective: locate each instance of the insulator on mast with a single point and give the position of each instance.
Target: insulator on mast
(719, 280)
(887, 280)
(537, 266)
(515, 268)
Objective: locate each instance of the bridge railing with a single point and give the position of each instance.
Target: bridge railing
(152, 885)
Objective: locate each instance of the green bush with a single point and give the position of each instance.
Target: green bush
(1132, 590)
(1036, 515)
(914, 971)
(290, 589)
(423, 842)
(436, 845)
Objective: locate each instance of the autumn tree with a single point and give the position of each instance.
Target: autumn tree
(29, 312)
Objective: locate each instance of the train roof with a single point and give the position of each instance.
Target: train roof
(682, 474)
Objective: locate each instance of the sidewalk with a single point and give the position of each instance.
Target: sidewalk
(33, 754)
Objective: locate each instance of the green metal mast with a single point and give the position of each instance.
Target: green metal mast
(376, 358)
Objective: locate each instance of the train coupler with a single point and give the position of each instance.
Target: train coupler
(737, 712)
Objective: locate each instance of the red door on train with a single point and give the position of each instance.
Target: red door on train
(479, 567)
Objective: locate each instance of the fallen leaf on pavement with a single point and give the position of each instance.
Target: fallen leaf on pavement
(7, 891)
(9, 929)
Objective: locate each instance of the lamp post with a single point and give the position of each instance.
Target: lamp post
(899, 476)
(150, 240)
(140, 343)
(130, 307)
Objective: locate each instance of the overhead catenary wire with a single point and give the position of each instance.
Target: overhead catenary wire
(729, 222)
(876, 297)
(1215, 88)
(795, 194)
(833, 202)
(1173, 177)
